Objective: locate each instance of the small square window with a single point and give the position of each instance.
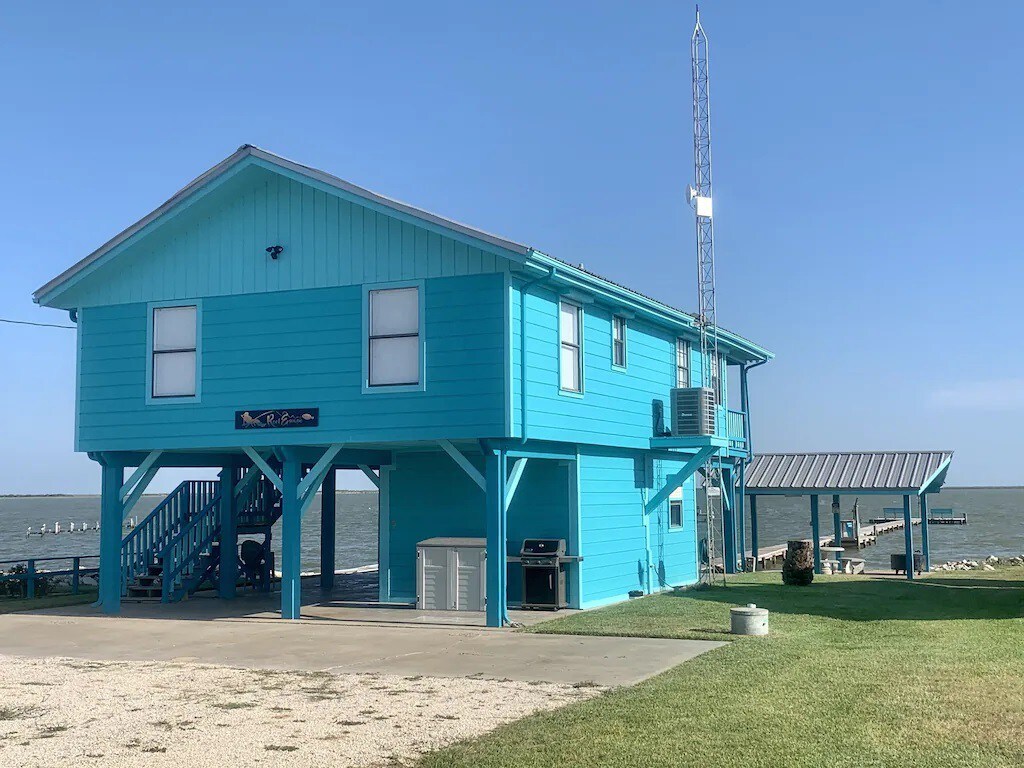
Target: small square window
(619, 341)
(675, 513)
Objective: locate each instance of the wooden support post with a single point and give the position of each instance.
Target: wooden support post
(741, 510)
(228, 581)
(754, 539)
(837, 524)
(328, 523)
(76, 563)
(495, 474)
(923, 506)
(384, 536)
(816, 534)
(291, 539)
(111, 520)
(908, 537)
(575, 542)
(728, 521)
(30, 580)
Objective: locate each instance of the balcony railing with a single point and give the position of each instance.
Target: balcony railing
(736, 429)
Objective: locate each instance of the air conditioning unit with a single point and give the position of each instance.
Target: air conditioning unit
(693, 411)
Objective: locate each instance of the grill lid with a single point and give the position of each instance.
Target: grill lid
(543, 548)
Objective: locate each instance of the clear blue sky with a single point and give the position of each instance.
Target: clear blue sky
(868, 172)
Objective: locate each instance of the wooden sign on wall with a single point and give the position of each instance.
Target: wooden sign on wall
(276, 418)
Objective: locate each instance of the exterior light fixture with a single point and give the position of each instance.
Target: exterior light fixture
(275, 251)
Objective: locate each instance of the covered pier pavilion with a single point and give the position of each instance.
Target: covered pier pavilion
(878, 473)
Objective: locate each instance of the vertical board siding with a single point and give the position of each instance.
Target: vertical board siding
(674, 550)
(217, 248)
(297, 349)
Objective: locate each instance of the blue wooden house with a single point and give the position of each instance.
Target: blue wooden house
(278, 323)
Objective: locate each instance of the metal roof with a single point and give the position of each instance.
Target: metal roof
(869, 471)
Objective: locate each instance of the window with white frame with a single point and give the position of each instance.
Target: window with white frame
(618, 341)
(716, 378)
(570, 333)
(682, 363)
(173, 363)
(394, 337)
(675, 508)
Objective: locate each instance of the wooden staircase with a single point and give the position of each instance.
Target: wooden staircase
(177, 547)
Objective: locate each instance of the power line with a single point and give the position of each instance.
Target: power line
(37, 325)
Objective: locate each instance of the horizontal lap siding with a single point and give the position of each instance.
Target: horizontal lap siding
(217, 247)
(612, 528)
(613, 490)
(539, 510)
(674, 550)
(298, 349)
(617, 405)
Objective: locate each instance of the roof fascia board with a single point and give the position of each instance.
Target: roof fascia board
(437, 224)
(752, 491)
(661, 313)
(176, 205)
(937, 478)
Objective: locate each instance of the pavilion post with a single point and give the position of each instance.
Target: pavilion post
(908, 537)
(111, 522)
(837, 524)
(816, 534)
(753, 532)
(291, 539)
(328, 526)
(926, 553)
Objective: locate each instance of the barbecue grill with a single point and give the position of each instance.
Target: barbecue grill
(543, 562)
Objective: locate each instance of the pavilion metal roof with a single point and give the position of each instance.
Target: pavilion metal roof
(852, 472)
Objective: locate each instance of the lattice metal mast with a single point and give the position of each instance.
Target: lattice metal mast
(700, 196)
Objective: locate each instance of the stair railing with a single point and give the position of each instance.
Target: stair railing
(258, 506)
(182, 553)
(146, 540)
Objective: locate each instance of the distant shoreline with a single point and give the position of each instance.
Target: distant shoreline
(96, 495)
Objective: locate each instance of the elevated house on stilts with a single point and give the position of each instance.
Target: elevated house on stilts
(277, 323)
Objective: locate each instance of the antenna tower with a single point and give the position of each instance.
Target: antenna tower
(699, 195)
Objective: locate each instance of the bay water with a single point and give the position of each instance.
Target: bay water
(995, 525)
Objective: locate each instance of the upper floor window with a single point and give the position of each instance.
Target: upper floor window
(716, 377)
(682, 363)
(570, 336)
(173, 364)
(618, 341)
(394, 337)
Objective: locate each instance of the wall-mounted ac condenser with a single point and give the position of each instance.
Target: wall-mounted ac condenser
(693, 411)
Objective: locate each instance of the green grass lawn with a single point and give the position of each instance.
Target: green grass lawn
(14, 605)
(856, 672)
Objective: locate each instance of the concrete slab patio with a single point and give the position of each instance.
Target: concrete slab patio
(338, 637)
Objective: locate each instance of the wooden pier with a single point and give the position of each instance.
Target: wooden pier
(938, 516)
(867, 535)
